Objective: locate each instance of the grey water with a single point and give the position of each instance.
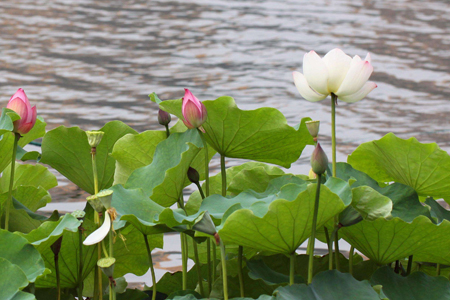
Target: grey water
(86, 62)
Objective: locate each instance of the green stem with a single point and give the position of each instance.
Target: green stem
(408, 269)
(58, 277)
(333, 130)
(98, 288)
(438, 269)
(312, 239)
(33, 288)
(200, 190)
(112, 291)
(336, 248)
(150, 261)
(11, 180)
(330, 249)
(224, 270)
(167, 130)
(199, 268)
(205, 145)
(350, 260)
(184, 259)
(214, 269)
(241, 275)
(224, 175)
(208, 258)
(80, 263)
(292, 268)
(104, 249)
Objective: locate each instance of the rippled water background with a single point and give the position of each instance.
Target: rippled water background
(86, 62)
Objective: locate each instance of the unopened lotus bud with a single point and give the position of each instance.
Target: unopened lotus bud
(205, 224)
(56, 246)
(313, 128)
(193, 175)
(94, 137)
(107, 266)
(164, 117)
(194, 112)
(79, 214)
(95, 203)
(105, 197)
(21, 105)
(319, 160)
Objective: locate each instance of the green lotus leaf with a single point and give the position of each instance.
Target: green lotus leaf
(271, 226)
(30, 197)
(329, 285)
(23, 155)
(385, 241)
(261, 134)
(29, 175)
(134, 151)
(424, 167)
(370, 203)
(130, 294)
(437, 211)
(163, 180)
(44, 236)
(405, 201)
(36, 132)
(417, 286)
(18, 251)
(131, 253)
(24, 220)
(258, 178)
(68, 151)
(12, 284)
(259, 270)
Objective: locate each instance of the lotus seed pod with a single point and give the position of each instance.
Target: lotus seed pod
(95, 203)
(105, 197)
(313, 128)
(107, 265)
(94, 137)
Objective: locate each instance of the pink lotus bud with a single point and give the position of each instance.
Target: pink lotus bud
(319, 160)
(20, 104)
(194, 112)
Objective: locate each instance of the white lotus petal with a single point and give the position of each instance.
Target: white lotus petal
(98, 235)
(305, 90)
(359, 95)
(368, 58)
(357, 76)
(337, 63)
(315, 72)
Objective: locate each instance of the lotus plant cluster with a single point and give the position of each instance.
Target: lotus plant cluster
(243, 228)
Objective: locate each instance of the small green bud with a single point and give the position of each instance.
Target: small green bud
(205, 224)
(319, 160)
(94, 137)
(193, 175)
(105, 197)
(164, 117)
(79, 214)
(313, 128)
(95, 203)
(107, 265)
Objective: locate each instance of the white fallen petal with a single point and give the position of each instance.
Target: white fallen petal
(357, 76)
(337, 63)
(316, 72)
(359, 95)
(304, 89)
(98, 235)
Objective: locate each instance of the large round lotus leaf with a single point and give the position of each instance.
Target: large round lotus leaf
(329, 285)
(417, 286)
(423, 167)
(385, 241)
(18, 251)
(163, 180)
(280, 226)
(262, 134)
(13, 280)
(68, 151)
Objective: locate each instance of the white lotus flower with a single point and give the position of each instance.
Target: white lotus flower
(335, 73)
(98, 235)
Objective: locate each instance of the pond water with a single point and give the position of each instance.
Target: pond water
(86, 62)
